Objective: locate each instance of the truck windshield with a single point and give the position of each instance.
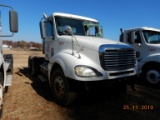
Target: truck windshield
(152, 37)
(79, 27)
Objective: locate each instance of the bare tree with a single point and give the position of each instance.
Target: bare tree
(23, 44)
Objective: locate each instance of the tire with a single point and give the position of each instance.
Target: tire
(35, 66)
(61, 89)
(34, 63)
(152, 74)
(30, 63)
(1, 94)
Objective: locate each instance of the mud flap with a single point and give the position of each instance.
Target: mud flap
(8, 80)
(8, 69)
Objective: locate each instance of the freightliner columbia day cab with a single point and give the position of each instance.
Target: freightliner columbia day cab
(78, 57)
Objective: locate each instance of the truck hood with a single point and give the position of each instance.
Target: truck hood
(94, 42)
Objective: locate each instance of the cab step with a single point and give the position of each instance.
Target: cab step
(42, 78)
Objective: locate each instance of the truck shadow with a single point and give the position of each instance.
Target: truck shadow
(43, 89)
(107, 105)
(140, 104)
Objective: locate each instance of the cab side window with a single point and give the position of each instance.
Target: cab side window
(49, 28)
(137, 37)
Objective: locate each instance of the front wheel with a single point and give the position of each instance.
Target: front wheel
(152, 75)
(61, 91)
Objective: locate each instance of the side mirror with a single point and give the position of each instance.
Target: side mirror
(67, 30)
(121, 35)
(42, 29)
(13, 19)
(131, 36)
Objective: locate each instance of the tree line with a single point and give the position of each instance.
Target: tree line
(22, 44)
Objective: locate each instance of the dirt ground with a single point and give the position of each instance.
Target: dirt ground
(30, 99)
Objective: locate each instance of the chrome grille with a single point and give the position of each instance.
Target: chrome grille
(117, 59)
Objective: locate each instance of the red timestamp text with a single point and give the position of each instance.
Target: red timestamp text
(138, 107)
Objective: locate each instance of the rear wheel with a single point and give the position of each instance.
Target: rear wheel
(30, 63)
(34, 67)
(61, 91)
(34, 64)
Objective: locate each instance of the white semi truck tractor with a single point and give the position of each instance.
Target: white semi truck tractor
(146, 42)
(6, 60)
(78, 57)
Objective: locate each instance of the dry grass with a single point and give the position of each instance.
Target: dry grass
(23, 102)
(29, 99)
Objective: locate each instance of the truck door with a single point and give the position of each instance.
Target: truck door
(138, 45)
(48, 42)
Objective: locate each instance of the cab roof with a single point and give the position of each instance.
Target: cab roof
(73, 16)
(144, 28)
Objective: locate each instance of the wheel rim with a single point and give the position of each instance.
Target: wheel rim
(59, 87)
(153, 76)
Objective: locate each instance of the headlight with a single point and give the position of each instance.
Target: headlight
(85, 71)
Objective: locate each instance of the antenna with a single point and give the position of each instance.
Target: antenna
(44, 15)
(121, 30)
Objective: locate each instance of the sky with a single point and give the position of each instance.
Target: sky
(111, 14)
